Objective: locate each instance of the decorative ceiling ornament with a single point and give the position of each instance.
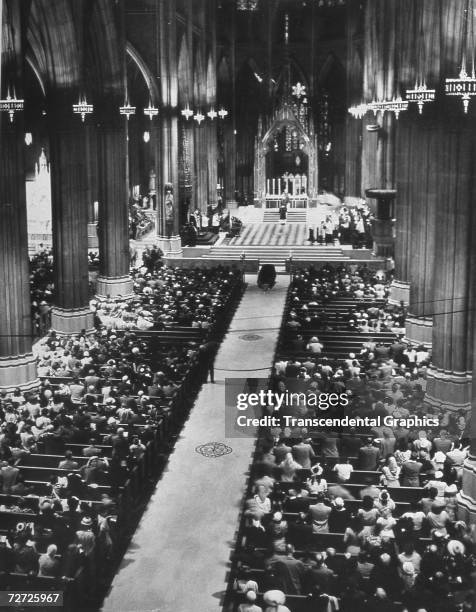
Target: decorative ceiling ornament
(151, 111)
(11, 104)
(299, 90)
(187, 112)
(83, 108)
(464, 86)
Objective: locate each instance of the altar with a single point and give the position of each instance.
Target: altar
(286, 158)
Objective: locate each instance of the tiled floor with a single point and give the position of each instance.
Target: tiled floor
(178, 558)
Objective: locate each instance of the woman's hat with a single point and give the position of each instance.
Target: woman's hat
(455, 547)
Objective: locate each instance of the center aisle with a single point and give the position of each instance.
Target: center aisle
(193, 513)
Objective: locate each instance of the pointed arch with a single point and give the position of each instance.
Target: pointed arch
(145, 72)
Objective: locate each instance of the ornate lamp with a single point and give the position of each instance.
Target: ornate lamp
(187, 112)
(464, 86)
(82, 108)
(199, 117)
(127, 109)
(151, 111)
(421, 95)
(11, 104)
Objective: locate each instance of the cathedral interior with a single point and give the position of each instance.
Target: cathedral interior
(205, 199)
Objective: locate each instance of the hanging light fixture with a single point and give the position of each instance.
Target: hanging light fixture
(151, 111)
(199, 117)
(396, 105)
(146, 136)
(187, 112)
(127, 109)
(11, 104)
(247, 5)
(212, 114)
(359, 110)
(222, 113)
(28, 139)
(421, 94)
(83, 108)
(464, 86)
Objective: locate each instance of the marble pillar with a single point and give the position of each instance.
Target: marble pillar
(170, 245)
(17, 363)
(417, 192)
(382, 227)
(449, 379)
(113, 226)
(69, 198)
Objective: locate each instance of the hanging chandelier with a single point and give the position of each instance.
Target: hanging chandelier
(199, 117)
(11, 104)
(358, 111)
(187, 112)
(421, 95)
(83, 108)
(127, 109)
(247, 5)
(212, 114)
(396, 105)
(151, 111)
(464, 86)
(222, 113)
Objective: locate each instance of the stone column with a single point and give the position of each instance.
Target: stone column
(415, 226)
(212, 175)
(113, 226)
(69, 199)
(168, 175)
(230, 163)
(449, 379)
(17, 364)
(171, 246)
(382, 229)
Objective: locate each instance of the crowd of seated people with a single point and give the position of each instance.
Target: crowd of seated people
(313, 289)
(69, 449)
(364, 518)
(169, 296)
(101, 395)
